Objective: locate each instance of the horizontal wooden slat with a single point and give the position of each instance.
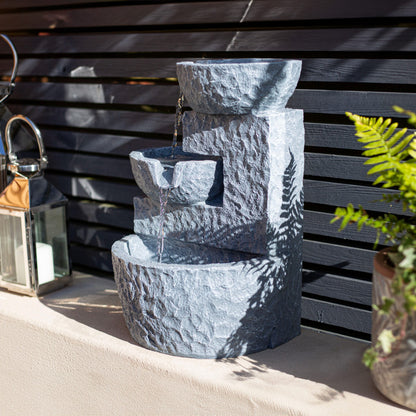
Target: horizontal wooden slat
(350, 39)
(336, 166)
(340, 194)
(156, 95)
(124, 43)
(318, 223)
(90, 257)
(103, 67)
(95, 189)
(94, 236)
(99, 119)
(125, 15)
(362, 102)
(323, 9)
(338, 256)
(336, 315)
(337, 287)
(98, 143)
(101, 213)
(29, 3)
(90, 165)
(355, 39)
(383, 71)
(333, 136)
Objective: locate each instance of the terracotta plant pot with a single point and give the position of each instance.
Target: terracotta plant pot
(394, 376)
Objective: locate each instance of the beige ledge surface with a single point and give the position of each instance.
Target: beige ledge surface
(69, 353)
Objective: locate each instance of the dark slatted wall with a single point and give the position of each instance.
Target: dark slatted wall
(98, 77)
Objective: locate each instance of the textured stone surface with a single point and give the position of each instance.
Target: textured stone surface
(230, 279)
(263, 181)
(204, 303)
(238, 86)
(191, 177)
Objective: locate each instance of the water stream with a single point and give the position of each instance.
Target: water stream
(163, 197)
(178, 121)
(164, 192)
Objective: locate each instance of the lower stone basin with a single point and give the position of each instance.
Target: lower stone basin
(200, 302)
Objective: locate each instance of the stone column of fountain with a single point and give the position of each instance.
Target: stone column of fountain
(229, 279)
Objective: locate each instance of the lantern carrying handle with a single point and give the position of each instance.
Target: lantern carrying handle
(10, 87)
(43, 159)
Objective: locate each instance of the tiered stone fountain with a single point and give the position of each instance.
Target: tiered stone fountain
(229, 279)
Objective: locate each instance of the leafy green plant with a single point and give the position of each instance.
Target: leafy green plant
(392, 155)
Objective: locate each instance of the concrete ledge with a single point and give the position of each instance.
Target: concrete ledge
(70, 353)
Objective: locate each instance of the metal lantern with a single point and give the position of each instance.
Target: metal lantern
(34, 257)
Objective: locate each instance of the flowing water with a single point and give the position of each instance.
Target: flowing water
(163, 197)
(178, 122)
(164, 193)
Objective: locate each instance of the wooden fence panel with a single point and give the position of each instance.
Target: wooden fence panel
(99, 79)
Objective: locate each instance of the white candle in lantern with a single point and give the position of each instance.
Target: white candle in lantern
(22, 269)
(44, 257)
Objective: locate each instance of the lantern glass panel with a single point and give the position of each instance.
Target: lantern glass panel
(14, 267)
(52, 260)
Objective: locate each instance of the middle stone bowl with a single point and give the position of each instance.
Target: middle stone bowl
(192, 178)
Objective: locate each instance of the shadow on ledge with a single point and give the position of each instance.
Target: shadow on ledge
(93, 302)
(323, 358)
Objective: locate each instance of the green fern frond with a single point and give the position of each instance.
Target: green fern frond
(385, 147)
(379, 168)
(410, 114)
(396, 137)
(350, 215)
(402, 145)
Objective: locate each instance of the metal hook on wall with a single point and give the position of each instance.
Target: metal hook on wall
(9, 89)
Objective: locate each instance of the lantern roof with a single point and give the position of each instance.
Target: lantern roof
(31, 193)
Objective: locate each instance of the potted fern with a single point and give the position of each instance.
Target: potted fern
(392, 356)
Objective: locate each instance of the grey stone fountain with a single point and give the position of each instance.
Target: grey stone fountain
(229, 279)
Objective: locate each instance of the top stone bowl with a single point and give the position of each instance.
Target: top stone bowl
(238, 86)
